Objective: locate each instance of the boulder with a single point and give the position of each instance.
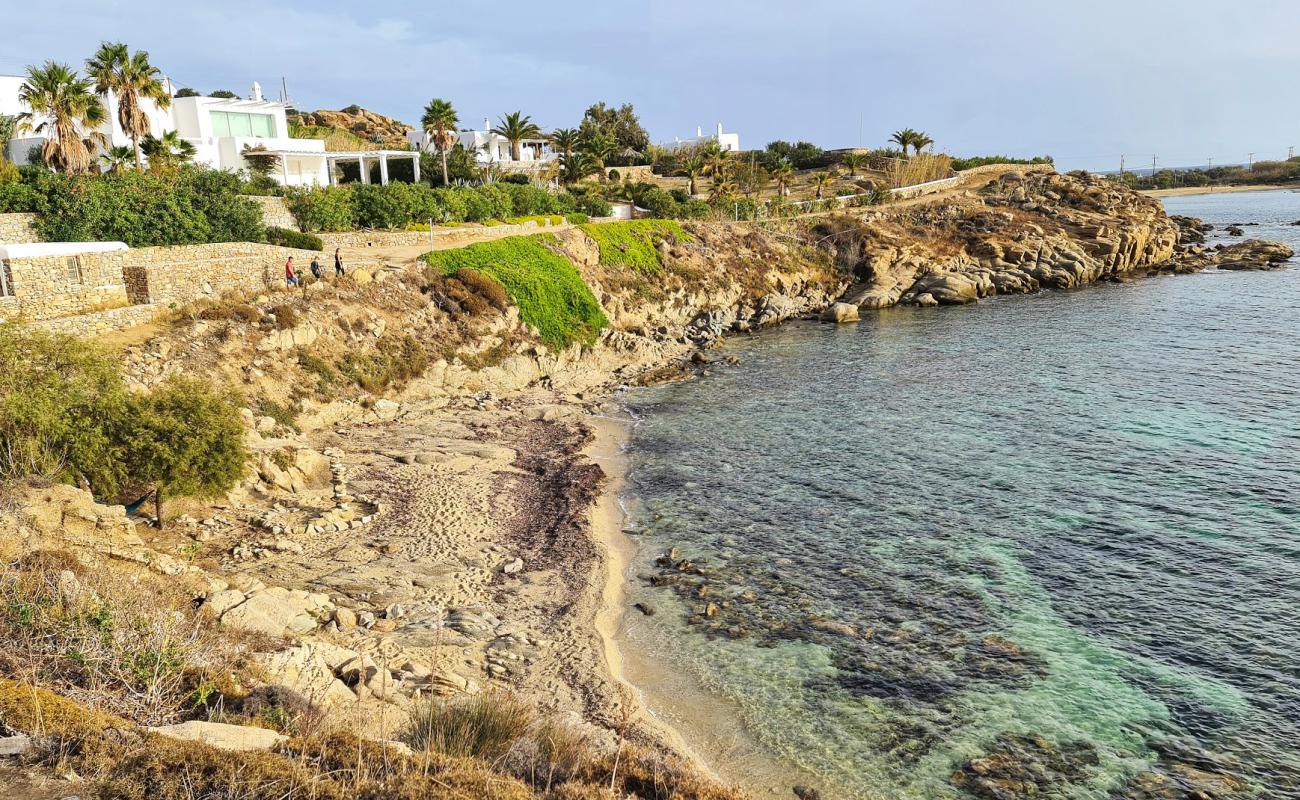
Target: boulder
(841, 312)
(270, 613)
(220, 735)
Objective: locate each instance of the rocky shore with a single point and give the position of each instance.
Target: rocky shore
(439, 540)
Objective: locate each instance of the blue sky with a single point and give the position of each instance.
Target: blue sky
(1084, 81)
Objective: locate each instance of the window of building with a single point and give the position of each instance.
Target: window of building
(74, 269)
(236, 123)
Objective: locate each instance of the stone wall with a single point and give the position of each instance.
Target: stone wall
(168, 276)
(275, 212)
(100, 322)
(18, 229)
(59, 286)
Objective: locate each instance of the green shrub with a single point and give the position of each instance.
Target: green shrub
(62, 407)
(17, 198)
(185, 439)
(297, 239)
(960, 164)
(546, 287)
(193, 206)
(594, 206)
(633, 244)
(577, 218)
(395, 361)
(326, 209)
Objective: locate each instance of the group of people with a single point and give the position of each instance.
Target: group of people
(318, 272)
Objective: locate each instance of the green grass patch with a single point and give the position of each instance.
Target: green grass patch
(632, 244)
(546, 287)
(540, 219)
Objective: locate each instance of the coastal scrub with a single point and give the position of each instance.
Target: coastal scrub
(634, 244)
(546, 287)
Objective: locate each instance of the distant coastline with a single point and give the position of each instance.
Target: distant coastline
(1189, 190)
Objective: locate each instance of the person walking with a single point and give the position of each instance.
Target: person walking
(316, 271)
(338, 264)
(290, 277)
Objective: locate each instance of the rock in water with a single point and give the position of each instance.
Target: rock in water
(841, 312)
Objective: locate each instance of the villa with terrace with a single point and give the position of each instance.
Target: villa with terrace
(492, 149)
(221, 129)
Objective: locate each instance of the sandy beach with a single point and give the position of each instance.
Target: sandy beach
(1191, 190)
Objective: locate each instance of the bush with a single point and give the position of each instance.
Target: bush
(594, 206)
(634, 244)
(326, 209)
(485, 286)
(17, 198)
(960, 164)
(395, 361)
(297, 239)
(577, 218)
(185, 439)
(546, 287)
(483, 726)
(194, 206)
(62, 410)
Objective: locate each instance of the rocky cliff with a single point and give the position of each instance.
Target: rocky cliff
(1021, 233)
(368, 126)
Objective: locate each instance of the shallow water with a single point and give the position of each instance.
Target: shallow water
(1062, 528)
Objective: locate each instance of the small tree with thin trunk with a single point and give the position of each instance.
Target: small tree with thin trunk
(185, 440)
(440, 122)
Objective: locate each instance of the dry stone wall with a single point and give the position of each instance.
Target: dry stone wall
(100, 322)
(445, 237)
(57, 286)
(18, 229)
(275, 212)
(169, 276)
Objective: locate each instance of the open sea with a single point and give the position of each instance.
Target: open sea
(1044, 545)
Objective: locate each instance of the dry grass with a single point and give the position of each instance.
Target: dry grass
(918, 169)
(132, 645)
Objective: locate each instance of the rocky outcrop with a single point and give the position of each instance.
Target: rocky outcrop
(1023, 233)
(375, 128)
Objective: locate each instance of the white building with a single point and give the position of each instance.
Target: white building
(491, 149)
(729, 142)
(220, 129)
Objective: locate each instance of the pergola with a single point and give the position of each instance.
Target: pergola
(362, 157)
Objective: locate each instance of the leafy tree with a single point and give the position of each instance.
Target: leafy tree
(8, 125)
(132, 79)
(440, 122)
(225, 94)
(515, 128)
(620, 124)
(187, 92)
(115, 159)
(69, 115)
(185, 440)
(260, 161)
(167, 152)
(62, 403)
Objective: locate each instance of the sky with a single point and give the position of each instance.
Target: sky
(1084, 81)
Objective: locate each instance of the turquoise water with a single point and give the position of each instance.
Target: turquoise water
(1061, 530)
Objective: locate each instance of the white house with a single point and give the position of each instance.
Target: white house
(727, 141)
(220, 129)
(492, 149)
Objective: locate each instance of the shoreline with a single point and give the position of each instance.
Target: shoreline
(1196, 190)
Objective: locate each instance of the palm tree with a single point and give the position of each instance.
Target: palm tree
(565, 140)
(693, 168)
(129, 76)
(116, 159)
(783, 174)
(854, 162)
(821, 180)
(904, 139)
(576, 166)
(514, 128)
(166, 152)
(440, 122)
(66, 105)
(920, 141)
(600, 146)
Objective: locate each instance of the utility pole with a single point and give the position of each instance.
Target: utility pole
(1290, 152)
(1121, 165)
(1209, 164)
(1251, 157)
(1153, 167)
